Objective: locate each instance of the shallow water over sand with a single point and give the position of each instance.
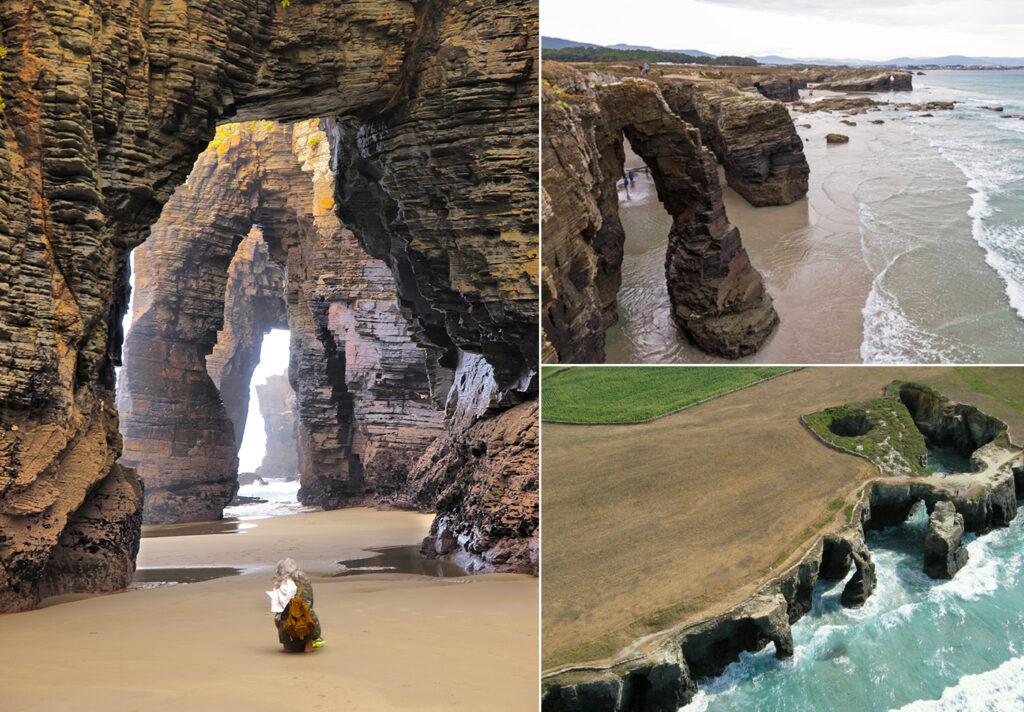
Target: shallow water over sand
(401, 560)
(908, 248)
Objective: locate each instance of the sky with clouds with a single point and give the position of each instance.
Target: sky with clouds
(853, 29)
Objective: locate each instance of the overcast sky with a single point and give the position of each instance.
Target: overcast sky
(273, 360)
(852, 29)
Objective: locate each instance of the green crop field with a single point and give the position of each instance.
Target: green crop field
(626, 394)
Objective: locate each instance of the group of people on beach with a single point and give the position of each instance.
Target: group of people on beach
(629, 179)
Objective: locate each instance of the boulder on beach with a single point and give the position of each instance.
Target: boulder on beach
(837, 138)
(848, 122)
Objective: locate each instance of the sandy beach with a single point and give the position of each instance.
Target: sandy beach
(906, 240)
(393, 641)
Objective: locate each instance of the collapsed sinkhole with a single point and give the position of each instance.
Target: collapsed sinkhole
(910, 430)
(853, 425)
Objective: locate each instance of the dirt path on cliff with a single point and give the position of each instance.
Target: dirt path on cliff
(686, 515)
(394, 642)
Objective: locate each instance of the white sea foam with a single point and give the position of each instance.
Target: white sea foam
(994, 168)
(998, 690)
(890, 336)
(281, 496)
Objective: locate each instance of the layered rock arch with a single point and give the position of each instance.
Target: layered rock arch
(365, 415)
(718, 298)
(107, 104)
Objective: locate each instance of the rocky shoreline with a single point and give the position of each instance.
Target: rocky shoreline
(743, 121)
(718, 297)
(658, 673)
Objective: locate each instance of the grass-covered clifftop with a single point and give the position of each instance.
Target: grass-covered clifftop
(880, 430)
(630, 394)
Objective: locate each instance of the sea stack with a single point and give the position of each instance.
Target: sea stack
(944, 552)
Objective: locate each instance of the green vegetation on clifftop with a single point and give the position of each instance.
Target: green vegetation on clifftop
(890, 438)
(628, 394)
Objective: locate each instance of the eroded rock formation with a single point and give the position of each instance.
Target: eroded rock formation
(107, 104)
(677, 658)
(718, 298)
(253, 305)
(277, 406)
(946, 424)
(685, 653)
(944, 552)
(879, 81)
(360, 379)
(752, 137)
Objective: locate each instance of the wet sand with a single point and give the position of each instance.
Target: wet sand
(393, 641)
(843, 264)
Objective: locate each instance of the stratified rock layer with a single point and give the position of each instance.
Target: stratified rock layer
(277, 406)
(944, 552)
(881, 81)
(360, 379)
(487, 496)
(253, 305)
(753, 138)
(107, 104)
(718, 298)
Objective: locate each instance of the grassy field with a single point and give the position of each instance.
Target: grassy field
(627, 394)
(678, 519)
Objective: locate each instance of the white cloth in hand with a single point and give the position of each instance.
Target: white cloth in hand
(280, 596)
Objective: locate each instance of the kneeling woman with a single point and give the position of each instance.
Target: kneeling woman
(289, 582)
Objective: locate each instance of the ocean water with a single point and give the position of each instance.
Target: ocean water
(281, 498)
(911, 239)
(960, 320)
(917, 645)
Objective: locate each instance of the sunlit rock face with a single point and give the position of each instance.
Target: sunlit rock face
(107, 105)
(253, 305)
(362, 394)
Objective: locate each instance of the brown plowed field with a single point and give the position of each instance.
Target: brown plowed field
(686, 515)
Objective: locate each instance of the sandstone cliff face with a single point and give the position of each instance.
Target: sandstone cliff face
(360, 380)
(718, 298)
(944, 552)
(277, 406)
(108, 103)
(781, 88)
(946, 424)
(753, 138)
(253, 305)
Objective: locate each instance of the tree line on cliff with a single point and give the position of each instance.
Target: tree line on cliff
(638, 56)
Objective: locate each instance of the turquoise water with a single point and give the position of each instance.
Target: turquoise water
(917, 645)
(947, 460)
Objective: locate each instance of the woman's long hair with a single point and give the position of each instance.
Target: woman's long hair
(288, 569)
